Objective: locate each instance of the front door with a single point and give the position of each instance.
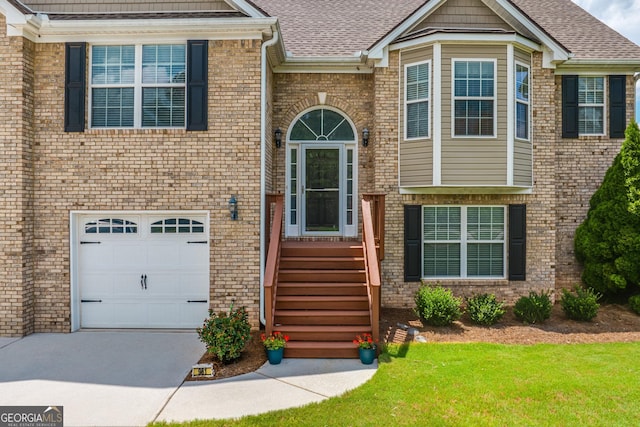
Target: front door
(321, 190)
(321, 175)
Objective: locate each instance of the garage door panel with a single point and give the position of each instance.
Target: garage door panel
(129, 255)
(144, 277)
(96, 285)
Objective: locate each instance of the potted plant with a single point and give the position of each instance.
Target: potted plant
(275, 344)
(366, 348)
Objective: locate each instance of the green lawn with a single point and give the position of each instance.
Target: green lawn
(482, 385)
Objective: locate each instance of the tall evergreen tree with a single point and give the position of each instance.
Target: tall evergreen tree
(607, 243)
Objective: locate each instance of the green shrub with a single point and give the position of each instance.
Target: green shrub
(607, 243)
(485, 309)
(437, 306)
(226, 335)
(535, 308)
(583, 305)
(634, 303)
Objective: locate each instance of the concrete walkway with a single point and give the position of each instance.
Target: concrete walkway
(130, 378)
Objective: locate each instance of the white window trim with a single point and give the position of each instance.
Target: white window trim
(518, 101)
(415, 101)
(494, 98)
(603, 105)
(463, 244)
(137, 86)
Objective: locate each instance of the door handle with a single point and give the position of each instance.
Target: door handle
(303, 189)
(143, 281)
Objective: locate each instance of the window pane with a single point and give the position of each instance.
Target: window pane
(442, 259)
(112, 107)
(522, 83)
(163, 64)
(418, 120)
(522, 121)
(163, 107)
(590, 120)
(485, 259)
(474, 80)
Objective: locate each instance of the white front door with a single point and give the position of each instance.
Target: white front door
(143, 270)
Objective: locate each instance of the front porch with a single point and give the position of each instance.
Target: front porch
(324, 293)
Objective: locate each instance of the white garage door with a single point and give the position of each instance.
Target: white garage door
(143, 270)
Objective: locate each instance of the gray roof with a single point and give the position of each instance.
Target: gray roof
(324, 28)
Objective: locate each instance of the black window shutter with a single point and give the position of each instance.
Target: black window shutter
(74, 84)
(617, 106)
(412, 243)
(197, 83)
(517, 242)
(569, 106)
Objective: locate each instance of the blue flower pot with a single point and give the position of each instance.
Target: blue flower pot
(367, 355)
(275, 356)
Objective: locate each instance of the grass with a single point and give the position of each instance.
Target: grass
(481, 385)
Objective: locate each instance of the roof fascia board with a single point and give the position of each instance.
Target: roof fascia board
(377, 51)
(598, 67)
(467, 38)
(558, 52)
(247, 8)
(340, 65)
(94, 31)
(554, 53)
(17, 22)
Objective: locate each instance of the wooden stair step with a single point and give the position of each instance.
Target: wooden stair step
(321, 349)
(322, 317)
(322, 288)
(346, 333)
(302, 275)
(321, 263)
(323, 302)
(291, 248)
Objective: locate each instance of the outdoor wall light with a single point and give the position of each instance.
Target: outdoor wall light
(365, 137)
(278, 137)
(233, 208)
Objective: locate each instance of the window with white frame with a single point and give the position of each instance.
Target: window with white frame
(591, 105)
(417, 100)
(474, 97)
(522, 101)
(138, 86)
(463, 241)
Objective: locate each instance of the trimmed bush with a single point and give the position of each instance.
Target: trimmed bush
(437, 306)
(607, 243)
(485, 309)
(634, 303)
(534, 308)
(583, 305)
(226, 335)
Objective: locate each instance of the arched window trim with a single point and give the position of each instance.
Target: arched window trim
(322, 138)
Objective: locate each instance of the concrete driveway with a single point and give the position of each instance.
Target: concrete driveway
(130, 378)
(111, 378)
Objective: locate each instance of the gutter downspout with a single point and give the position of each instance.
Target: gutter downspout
(263, 163)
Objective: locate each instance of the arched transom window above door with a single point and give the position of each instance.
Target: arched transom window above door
(322, 125)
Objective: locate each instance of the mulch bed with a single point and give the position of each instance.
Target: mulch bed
(614, 323)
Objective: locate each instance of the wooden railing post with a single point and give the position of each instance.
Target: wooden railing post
(372, 268)
(377, 212)
(274, 231)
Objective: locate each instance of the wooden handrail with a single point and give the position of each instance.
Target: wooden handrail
(273, 258)
(372, 268)
(377, 212)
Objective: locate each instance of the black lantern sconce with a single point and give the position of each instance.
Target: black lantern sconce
(278, 137)
(365, 137)
(233, 208)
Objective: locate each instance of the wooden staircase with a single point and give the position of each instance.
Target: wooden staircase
(322, 301)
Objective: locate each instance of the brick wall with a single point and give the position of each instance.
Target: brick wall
(127, 170)
(16, 185)
(581, 164)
